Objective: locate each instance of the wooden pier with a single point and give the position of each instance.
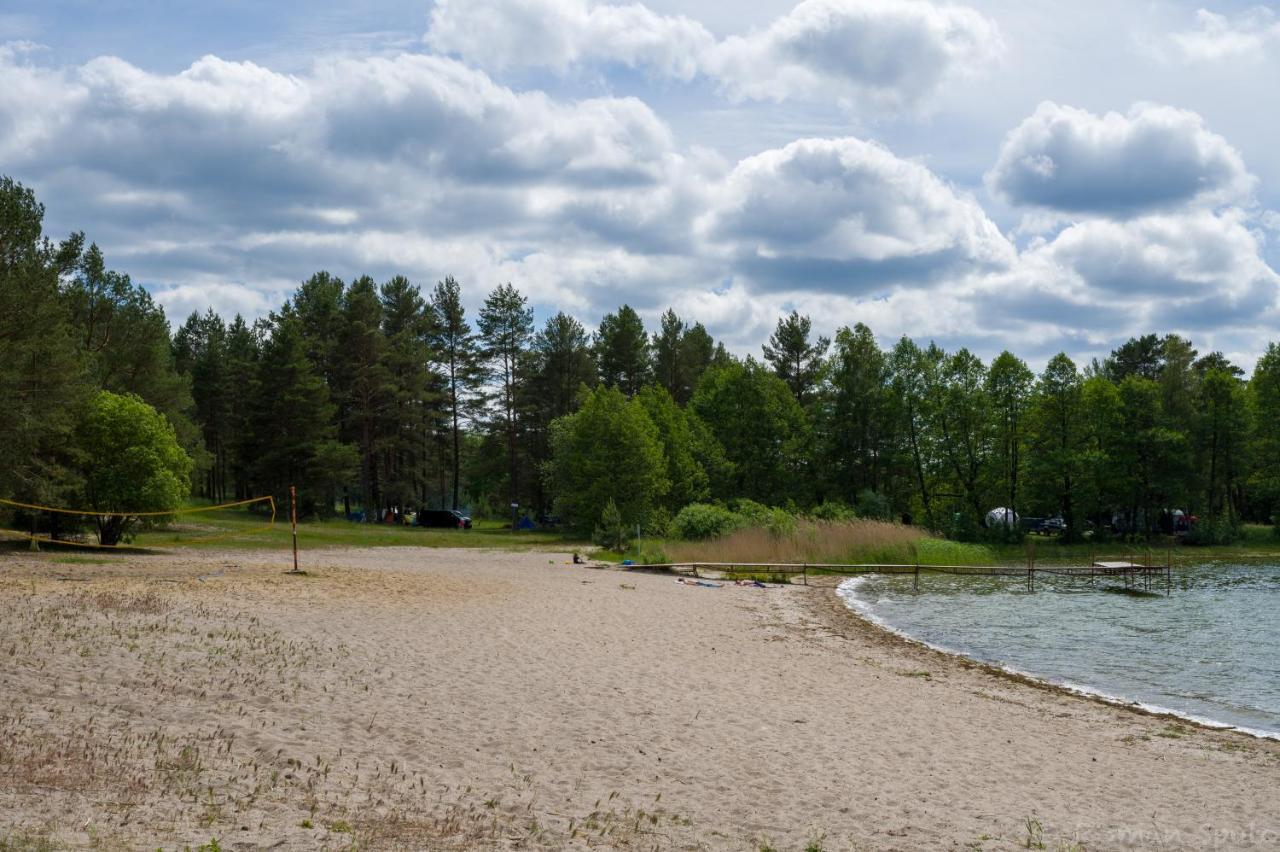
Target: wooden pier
(1137, 576)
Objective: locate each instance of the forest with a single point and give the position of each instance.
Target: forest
(377, 398)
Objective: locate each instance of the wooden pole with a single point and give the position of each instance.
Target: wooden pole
(293, 519)
(805, 569)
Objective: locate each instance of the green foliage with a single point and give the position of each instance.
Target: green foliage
(608, 450)
(763, 430)
(1215, 530)
(856, 416)
(795, 359)
(131, 463)
(832, 510)
(622, 351)
(43, 377)
(874, 505)
(369, 392)
(687, 479)
(699, 521)
(658, 523)
(458, 351)
(611, 533)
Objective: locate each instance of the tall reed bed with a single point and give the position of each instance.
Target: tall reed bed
(810, 541)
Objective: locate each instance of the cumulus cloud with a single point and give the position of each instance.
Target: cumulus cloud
(886, 52)
(227, 300)
(227, 182)
(1219, 37)
(231, 168)
(1152, 158)
(1198, 273)
(500, 34)
(848, 214)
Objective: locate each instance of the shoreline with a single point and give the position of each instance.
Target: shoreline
(865, 617)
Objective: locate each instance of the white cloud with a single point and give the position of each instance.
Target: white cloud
(849, 215)
(886, 53)
(500, 34)
(225, 299)
(1153, 157)
(1197, 273)
(228, 182)
(1218, 37)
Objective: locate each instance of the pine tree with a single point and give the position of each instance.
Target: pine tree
(506, 324)
(43, 381)
(458, 350)
(622, 351)
(200, 353)
(408, 324)
(363, 385)
(796, 360)
(293, 424)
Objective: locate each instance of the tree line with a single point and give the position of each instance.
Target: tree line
(378, 398)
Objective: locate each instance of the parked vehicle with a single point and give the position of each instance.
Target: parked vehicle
(1050, 526)
(444, 519)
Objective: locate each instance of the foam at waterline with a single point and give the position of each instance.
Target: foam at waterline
(847, 592)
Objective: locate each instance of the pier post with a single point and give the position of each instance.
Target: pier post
(917, 577)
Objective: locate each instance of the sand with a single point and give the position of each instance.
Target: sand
(455, 699)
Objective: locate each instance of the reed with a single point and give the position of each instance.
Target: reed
(810, 541)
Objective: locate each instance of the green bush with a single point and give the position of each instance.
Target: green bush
(649, 552)
(657, 524)
(873, 505)
(699, 521)
(780, 523)
(1220, 529)
(611, 533)
(753, 514)
(832, 510)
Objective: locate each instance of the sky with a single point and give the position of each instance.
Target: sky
(1023, 174)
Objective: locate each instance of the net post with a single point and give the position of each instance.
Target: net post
(293, 519)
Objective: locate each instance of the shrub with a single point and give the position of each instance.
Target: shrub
(873, 505)
(650, 552)
(611, 533)
(780, 523)
(753, 514)
(657, 524)
(699, 521)
(832, 510)
(1219, 529)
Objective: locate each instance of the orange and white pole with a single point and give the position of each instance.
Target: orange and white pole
(293, 517)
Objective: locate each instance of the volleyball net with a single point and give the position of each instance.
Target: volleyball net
(97, 528)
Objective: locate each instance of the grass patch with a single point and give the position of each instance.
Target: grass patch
(1173, 731)
(941, 551)
(240, 529)
(760, 577)
(19, 842)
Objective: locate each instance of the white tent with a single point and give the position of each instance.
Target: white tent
(1002, 517)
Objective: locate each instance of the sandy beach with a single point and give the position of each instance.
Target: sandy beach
(427, 699)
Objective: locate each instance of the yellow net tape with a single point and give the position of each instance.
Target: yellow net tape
(88, 513)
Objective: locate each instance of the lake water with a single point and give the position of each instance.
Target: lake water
(1209, 651)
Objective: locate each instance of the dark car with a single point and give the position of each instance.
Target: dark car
(1050, 526)
(445, 518)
